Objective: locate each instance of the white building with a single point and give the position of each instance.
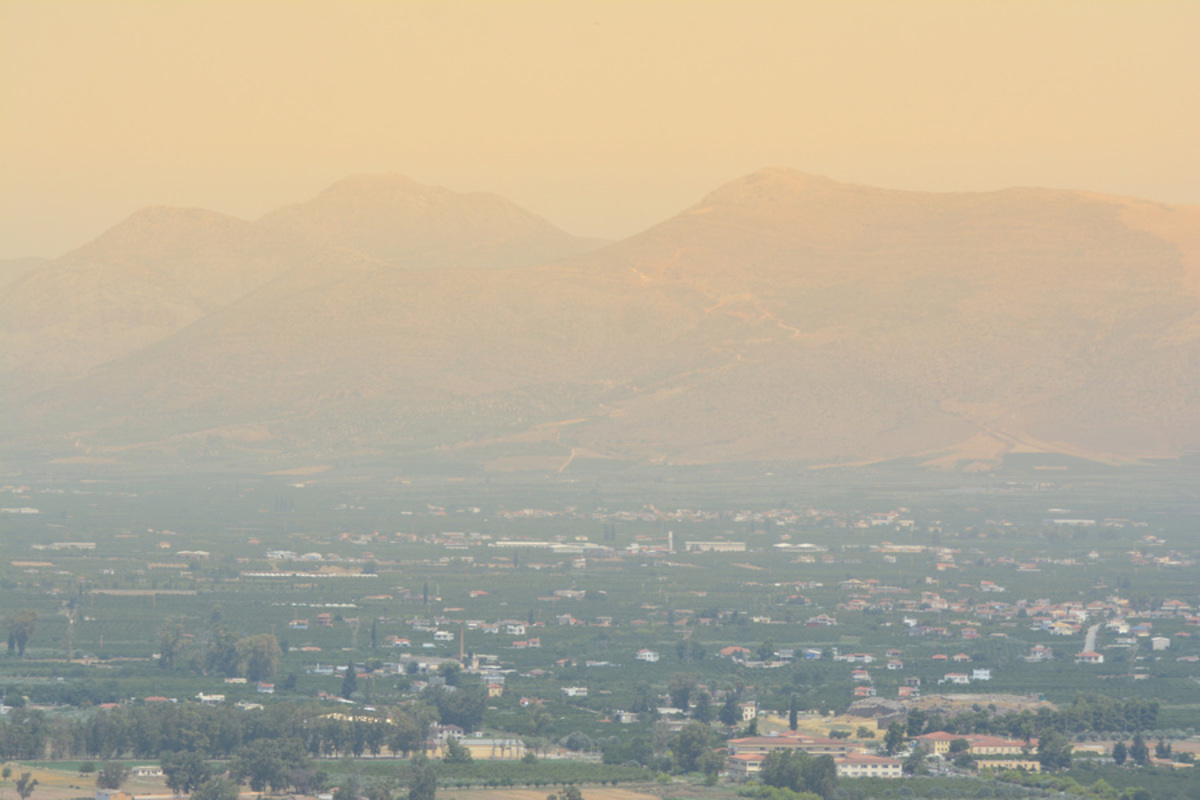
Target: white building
(715, 547)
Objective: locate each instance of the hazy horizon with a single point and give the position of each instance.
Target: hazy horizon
(605, 118)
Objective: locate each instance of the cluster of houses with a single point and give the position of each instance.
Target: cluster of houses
(746, 756)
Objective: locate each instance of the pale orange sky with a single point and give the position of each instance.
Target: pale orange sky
(605, 117)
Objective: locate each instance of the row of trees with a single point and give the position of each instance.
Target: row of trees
(800, 772)
(20, 626)
(148, 731)
(278, 765)
(1138, 752)
(684, 693)
(255, 657)
(1085, 713)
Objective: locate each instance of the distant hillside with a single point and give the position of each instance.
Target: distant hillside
(399, 221)
(165, 268)
(13, 268)
(785, 317)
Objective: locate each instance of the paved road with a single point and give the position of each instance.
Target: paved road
(1089, 644)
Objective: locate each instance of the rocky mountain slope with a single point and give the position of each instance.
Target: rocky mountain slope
(165, 268)
(785, 317)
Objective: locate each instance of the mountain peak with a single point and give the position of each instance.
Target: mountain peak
(150, 230)
(772, 186)
(380, 183)
(398, 220)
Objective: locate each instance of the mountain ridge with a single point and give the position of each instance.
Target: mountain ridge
(398, 220)
(783, 317)
(163, 268)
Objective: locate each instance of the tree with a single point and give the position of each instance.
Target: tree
(268, 762)
(793, 714)
(25, 785)
(689, 650)
(540, 720)
(216, 789)
(184, 771)
(703, 711)
(959, 746)
(766, 650)
(258, 656)
(350, 682)
(1138, 751)
(915, 763)
(463, 707)
(221, 657)
(422, 783)
(783, 769)
(820, 776)
(689, 745)
(1054, 751)
(578, 742)
(170, 640)
(964, 760)
(571, 792)
(893, 740)
(730, 714)
(800, 772)
(21, 626)
(1162, 749)
(378, 790)
(450, 672)
(915, 722)
(680, 689)
(643, 699)
(111, 775)
(1119, 753)
(409, 730)
(456, 752)
(347, 789)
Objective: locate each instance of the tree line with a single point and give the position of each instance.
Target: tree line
(1087, 712)
(147, 731)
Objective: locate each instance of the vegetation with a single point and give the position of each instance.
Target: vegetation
(800, 772)
(21, 626)
(112, 775)
(152, 627)
(25, 785)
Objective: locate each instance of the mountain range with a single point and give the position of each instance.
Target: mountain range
(783, 318)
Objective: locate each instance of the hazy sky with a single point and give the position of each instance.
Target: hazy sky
(605, 117)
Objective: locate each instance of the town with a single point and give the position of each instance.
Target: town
(822, 648)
